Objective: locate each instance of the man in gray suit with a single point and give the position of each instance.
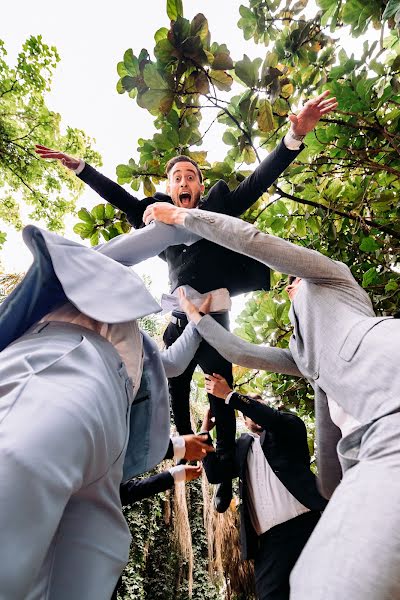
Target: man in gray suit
(350, 357)
(83, 401)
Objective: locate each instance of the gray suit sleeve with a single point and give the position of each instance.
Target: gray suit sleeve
(279, 254)
(240, 352)
(144, 243)
(177, 357)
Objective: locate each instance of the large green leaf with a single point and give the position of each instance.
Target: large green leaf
(223, 81)
(131, 63)
(247, 70)
(153, 78)
(174, 9)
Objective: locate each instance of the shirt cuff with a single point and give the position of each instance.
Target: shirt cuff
(228, 398)
(290, 142)
(178, 473)
(79, 168)
(179, 446)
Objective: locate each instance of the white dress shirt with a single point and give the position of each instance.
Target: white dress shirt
(270, 502)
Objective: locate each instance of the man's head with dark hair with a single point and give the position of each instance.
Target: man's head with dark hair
(183, 158)
(185, 181)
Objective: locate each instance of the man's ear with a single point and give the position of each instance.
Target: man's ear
(168, 187)
(202, 188)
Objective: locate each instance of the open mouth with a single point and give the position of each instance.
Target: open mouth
(185, 199)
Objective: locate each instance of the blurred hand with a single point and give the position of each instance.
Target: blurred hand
(190, 309)
(196, 447)
(164, 212)
(192, 472)
(217, 386)
(68, 161)
(312, 111)
(208, 421)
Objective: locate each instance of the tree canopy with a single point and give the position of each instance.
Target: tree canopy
(25, 120)
(340, 196)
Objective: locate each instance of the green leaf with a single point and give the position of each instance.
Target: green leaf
(199, 26)
(247, 70)
(222, 61)
(85, 216)
(391, 286)
(265, 119)
(164, 51)
(221, 80)
(391, 9)
(369, 244)
(94, 238)
(160, 34)
(174, 9)
(131, 63)
(98, 212)
(148, 187)
(124, 173)
(84, 230)
(370, 277)
(229, 139)
(249, 155)
(109, 211)
(153, 78)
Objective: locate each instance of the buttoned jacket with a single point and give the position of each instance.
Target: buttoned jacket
(284, 444)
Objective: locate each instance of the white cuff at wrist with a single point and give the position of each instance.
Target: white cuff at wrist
(179, 446)
(178, 473)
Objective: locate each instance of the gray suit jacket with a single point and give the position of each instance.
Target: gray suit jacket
(331, 316)
(101, 288)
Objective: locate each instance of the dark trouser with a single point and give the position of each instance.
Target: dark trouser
(279, 549)
(179, 387)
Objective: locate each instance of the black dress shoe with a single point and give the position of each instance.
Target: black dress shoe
(223, 496)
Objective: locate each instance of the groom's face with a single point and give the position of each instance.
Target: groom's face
(184, 185)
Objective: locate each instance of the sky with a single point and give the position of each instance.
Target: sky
(91, 38)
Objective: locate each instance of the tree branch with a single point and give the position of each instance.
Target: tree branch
(369, 222)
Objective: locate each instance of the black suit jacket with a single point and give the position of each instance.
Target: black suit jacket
(284, 443)
(137, 489)
(205, 265)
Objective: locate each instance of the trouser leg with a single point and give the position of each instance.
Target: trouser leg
(354, 551)
(179, 387)
(279, 549)
(212, 362)
(61, 431)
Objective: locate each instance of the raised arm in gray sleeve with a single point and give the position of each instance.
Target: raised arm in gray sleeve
(177, 357)
(240, 352)
(144, 243)
(279, 254)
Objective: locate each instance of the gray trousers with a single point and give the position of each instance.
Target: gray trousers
(354, 552)
(64, 408)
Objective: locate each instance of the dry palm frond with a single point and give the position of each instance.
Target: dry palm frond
(8, 281)
(182, 531)
(224, 549)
